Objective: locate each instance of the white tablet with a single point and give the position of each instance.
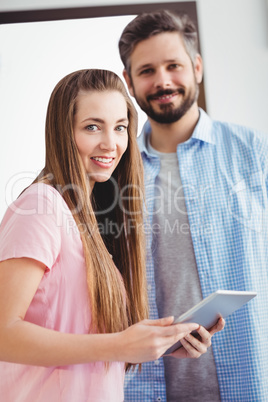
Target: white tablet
(219, 304)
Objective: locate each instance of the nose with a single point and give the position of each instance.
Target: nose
(162, 78)
(108, 142)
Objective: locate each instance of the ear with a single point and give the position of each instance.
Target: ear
(128, 82)
(198, 68)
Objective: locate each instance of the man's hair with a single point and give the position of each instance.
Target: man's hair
(147, 25)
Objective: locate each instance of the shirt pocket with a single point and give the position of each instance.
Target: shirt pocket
(246, 201)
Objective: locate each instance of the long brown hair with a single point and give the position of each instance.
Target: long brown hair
(117, 203)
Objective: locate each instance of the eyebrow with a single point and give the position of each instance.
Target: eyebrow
(97, 120)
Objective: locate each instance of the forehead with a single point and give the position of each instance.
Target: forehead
(100, 101)
(158, 49)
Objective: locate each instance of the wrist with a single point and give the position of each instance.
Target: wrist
(108, 347)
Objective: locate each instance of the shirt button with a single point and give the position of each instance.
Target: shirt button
(149, 287)
(159, 398)
(156, 362)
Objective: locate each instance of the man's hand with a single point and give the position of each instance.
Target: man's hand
(194, 347)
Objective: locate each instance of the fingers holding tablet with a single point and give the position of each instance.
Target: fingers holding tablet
(195, 345)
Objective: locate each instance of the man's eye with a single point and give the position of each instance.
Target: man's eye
(92, 127)
(146, 71)
(174, 66)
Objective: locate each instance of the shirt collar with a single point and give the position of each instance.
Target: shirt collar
(144, 138)
(202, 132)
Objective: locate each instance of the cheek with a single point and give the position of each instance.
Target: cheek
(179, 77)
(84, 145)
(186, 77)
(142, 86)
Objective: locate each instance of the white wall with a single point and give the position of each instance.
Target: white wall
(34, 56)
(234, 43)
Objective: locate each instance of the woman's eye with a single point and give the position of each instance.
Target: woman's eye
(121, 128)
(92, 127)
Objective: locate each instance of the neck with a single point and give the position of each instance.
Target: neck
(166, 137)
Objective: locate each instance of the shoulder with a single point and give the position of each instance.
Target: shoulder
(232, 131)
(240, 138)
(37, 196)
(32, 225)
(39, 190)
(38, 205)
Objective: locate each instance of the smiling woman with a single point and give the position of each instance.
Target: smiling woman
(72, 317)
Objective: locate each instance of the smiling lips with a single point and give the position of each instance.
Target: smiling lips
(102, 161)
(164, 96)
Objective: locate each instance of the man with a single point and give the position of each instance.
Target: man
(206, 196)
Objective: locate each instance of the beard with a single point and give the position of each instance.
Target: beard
(169, 114)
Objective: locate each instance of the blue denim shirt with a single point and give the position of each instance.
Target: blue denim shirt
(224, 173)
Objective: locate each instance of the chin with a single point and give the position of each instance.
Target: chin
(99, 178)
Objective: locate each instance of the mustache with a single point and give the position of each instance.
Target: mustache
(163, 92)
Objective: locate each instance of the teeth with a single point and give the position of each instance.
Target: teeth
(165, 97)
(103, 160)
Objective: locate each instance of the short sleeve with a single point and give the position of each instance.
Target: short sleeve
(31, 226)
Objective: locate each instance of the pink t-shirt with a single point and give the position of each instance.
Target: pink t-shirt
(39, 225)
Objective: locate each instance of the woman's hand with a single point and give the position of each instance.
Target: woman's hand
(149, 339)
(194, 347)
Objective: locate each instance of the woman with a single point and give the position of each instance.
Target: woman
(69, 320)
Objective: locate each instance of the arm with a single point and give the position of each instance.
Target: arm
(27, 343)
